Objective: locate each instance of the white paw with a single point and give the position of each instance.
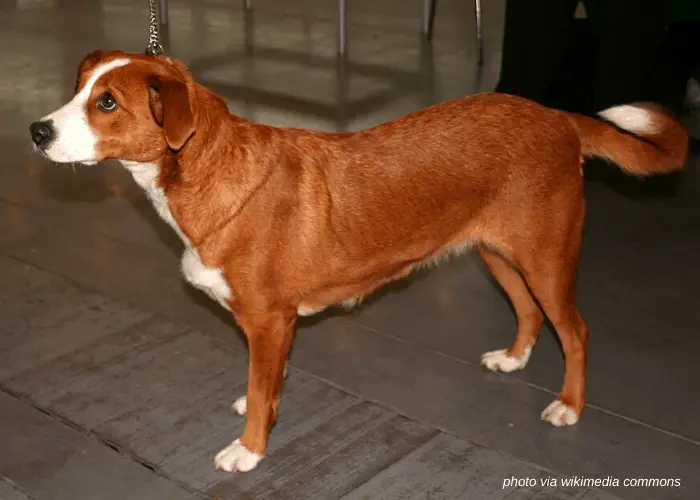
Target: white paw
(500, 361)
(559, 414)
(240, 405)
(236, 457)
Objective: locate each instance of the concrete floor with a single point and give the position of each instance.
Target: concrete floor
(116, 378)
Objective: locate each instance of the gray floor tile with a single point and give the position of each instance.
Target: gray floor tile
(18, 278)
(9, 491)
(53, 379)
(37, 327)
(355, 463)
(444, 468)
(50, 461)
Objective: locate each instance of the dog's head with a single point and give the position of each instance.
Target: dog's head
(130, 107)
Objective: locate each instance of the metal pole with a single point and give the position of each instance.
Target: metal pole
(343, 28)
(163, 11)
(479, 33)
(428, 18)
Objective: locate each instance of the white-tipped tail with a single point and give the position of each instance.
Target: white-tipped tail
(640, 138)
(631, 118)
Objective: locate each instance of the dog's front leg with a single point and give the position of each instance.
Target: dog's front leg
(269, 340)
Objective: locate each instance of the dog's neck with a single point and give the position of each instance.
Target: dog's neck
(220, 167)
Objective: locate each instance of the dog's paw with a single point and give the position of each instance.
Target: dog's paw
(559, 414)
(236, 457)
(240, 405)
(500, 361)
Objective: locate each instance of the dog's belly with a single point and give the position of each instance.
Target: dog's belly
(208, 279)
(303, 310)
(357, 292)
(306, 310)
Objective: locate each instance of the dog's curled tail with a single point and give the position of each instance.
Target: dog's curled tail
(640, 138)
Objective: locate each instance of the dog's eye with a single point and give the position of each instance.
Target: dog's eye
(106, 102)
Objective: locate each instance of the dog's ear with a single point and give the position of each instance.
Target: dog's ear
(171, 108)
(91, 59)
(88, 62)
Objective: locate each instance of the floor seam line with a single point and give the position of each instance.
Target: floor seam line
(16, 487)
(524, 382)
(98, 438)
(127, 329)
(398, 459)
(318, 462)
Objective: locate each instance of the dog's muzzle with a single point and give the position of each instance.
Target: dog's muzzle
(43, 133)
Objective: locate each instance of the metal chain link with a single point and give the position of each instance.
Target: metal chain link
(154, 47)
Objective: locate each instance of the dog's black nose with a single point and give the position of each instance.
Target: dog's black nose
(42, 133)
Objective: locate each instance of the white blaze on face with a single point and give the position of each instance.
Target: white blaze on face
(75, 140)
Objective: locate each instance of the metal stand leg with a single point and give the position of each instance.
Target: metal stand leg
(163, 11)
(479, 33)
(248, 4)
(428, 20)
(343, 28)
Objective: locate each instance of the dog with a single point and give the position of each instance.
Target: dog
(279, 223)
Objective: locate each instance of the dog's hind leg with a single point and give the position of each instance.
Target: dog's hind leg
(528, 313)
(549, 262)
(555, 293)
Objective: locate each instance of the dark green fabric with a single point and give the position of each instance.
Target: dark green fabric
(681, 10)
(684, 10)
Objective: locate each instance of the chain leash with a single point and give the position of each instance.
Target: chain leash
(154, 47)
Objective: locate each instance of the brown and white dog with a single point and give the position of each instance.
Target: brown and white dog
(282, 222)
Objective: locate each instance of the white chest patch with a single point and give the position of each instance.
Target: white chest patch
(209, 280)
(146, 176)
